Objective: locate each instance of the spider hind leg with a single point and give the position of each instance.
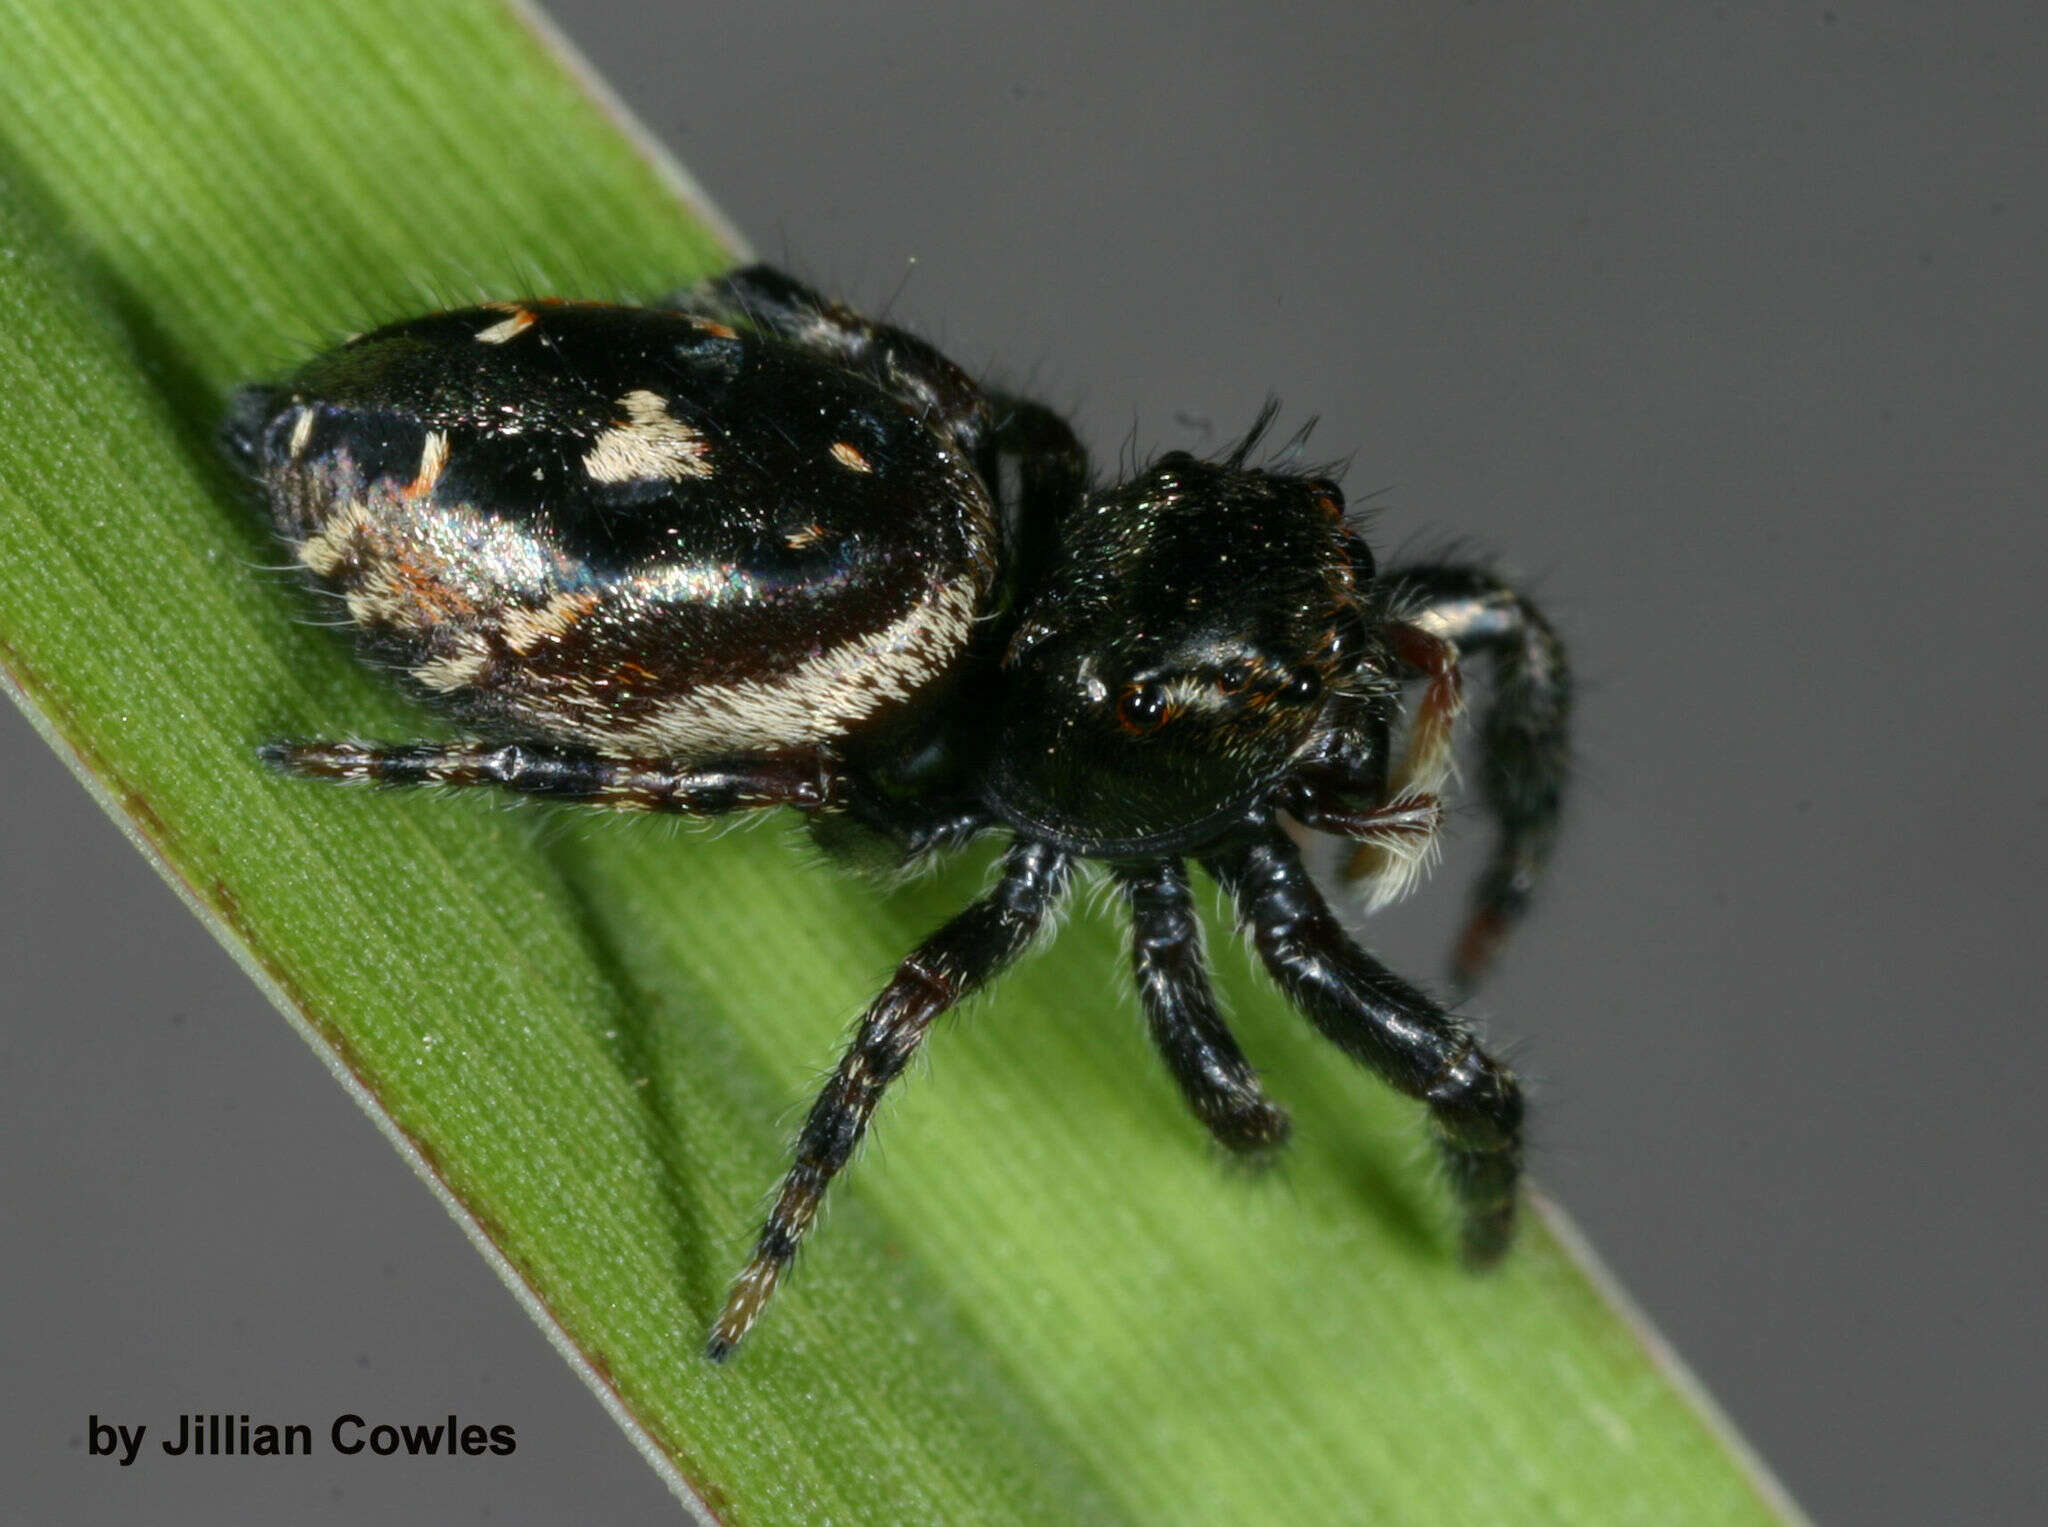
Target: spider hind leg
(907, 366)
(809, 782)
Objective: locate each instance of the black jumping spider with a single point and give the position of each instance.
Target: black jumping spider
(757, 550)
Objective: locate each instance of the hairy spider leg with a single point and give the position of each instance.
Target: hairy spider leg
(946, 968)
(901, 362)
(808, 781)
(1180, 1009)
(1381, 1021)
(1524, 755)
(1050, 464)
(1051, 470)
(1050, 459)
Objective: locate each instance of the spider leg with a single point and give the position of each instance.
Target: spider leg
(1381, 1021)
(1173, 982)
(946, 968)
(907, 366)
(1524, 747)
(807, 781)
(1049, 477)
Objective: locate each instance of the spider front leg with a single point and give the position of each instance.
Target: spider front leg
(945, 969)
(1380, 1020)
(1173, 983)
(1523, 739)
(807, 781)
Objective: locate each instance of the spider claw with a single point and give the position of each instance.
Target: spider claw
(750, 1292)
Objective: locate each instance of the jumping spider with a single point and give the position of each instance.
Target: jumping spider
(756, 550)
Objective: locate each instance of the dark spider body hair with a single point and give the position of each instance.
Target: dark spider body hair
(752, 549)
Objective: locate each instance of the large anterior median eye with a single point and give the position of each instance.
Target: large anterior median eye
(1141, 708)
(1302, 686)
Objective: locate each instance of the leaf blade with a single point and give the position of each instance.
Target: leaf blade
(1038, 1303)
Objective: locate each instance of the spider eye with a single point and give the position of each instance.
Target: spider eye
(1234, 677)
(1305, 685)
(1347, 636)
(1141, 708)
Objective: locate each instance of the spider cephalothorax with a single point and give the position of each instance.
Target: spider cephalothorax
(752, 549)
(1175, 656)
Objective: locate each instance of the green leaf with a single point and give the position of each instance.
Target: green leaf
(1042, 1302)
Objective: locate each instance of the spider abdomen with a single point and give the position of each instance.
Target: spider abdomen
(628, 529)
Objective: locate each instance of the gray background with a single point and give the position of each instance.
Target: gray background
(1724, 328)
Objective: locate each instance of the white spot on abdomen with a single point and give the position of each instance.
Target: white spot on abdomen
(325, 550)
(455, 669)
(526, 629)
(651, 444)
(433, 462)
(521, 320)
